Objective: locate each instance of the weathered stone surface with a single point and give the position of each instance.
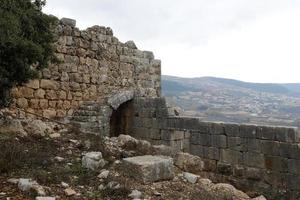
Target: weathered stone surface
(93, 160)
(68, 21)
(188, 162)
(49, 84)
(191, 178)
(135, 194)
(69, 192)
(34, 84)
(116, 100)
(131, 44)
(149, 168)
(45, 198)
(26, 184)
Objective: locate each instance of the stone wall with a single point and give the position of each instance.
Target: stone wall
(253, 158)
(95, 65)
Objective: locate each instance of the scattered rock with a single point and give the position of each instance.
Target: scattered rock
(158, 194)
(101, 187)
(188, 162)
(39, 190)
(113, 185)
(59, 159)
(259, 198)
(205, 182)
(69, 192)
(93, 160)
(37, 127)
(192, 178)
(45, 198)
(135, 194)
(65, 185)
(74, 141)
(54, 135)
(104, 174)
(26, 184)
(130, 44)
(8, 125)
(149, 168)
(13, 180)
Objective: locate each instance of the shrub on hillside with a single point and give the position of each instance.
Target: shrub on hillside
(25, 43)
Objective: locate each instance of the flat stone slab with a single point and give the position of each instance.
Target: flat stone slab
(149, 168)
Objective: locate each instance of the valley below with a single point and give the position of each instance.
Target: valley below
(227, 100)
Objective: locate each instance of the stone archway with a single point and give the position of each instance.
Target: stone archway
(121, 118)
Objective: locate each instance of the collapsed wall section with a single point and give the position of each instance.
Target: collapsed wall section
(253, 158)
(95, 64)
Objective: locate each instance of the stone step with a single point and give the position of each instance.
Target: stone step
(93, 107)
(84, 124)
(149, 168)
(85, 118)
(81, 112)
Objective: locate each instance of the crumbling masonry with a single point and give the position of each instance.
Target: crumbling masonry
(108, 88)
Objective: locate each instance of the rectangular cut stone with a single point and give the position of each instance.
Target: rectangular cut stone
(217, 128)
(197, 150)
(254, 160)
(248, 131)
(231, 156)
(219, 141)
(271, 147)
(149, 168)
(254, 145)
(232, 130)
(293, 166)
(205, 139)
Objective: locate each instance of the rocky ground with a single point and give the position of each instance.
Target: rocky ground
(45, 160)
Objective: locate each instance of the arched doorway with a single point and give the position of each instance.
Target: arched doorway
(121, 119)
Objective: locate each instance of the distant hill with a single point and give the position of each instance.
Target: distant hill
(172, 83)
(294, 87)
(231, 100)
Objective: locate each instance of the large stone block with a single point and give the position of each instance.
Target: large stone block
(26, 92)
(188, 162)
(232, 130)
(272, 148)
(68, 22)
(22, 103)
(252, 159)
(49, 84)
(293, 166)
(149, 168)
(231, 156)
(219, 141)
(34, 84)
(248, 131)
(276, 163)
(286, 134)
(267, 133)
(197, 150)
(235, 143)
(93, 160)
(254, 145)
(217, 128)
(205, 139)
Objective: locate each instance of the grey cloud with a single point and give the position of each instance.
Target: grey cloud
(191, 22)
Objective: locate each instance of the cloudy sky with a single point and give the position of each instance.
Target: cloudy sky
(249, 40)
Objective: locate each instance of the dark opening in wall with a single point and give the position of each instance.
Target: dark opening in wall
(121, 119)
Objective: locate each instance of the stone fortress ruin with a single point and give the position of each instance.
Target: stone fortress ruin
(107, 87)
